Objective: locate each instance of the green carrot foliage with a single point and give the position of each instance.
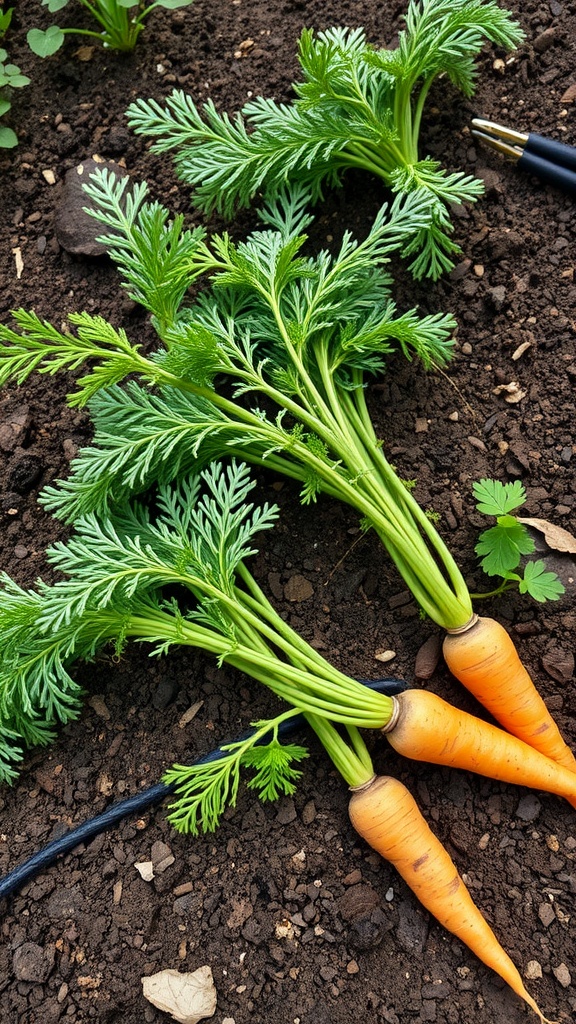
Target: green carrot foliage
(356, 107)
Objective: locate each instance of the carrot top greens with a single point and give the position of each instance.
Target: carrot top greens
(356, 106)
(175, 573)
(269, 364)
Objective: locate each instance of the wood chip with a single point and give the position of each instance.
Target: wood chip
(569, 95)
(49, 176)
(521, 350)
(512, 392)
(17, 254)
(558, 664)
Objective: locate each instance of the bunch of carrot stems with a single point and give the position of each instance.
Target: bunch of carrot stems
(266, 283)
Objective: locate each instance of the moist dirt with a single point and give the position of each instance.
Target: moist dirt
(299, 921)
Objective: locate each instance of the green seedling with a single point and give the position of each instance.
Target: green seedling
(10, 78)
(503, 546)
(121, 22)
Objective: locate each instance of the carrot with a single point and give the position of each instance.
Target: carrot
(484, 659)
(427, 728)
(386, 815)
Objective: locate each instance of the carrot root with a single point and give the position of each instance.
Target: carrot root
(430, 729)
(386, 815)
(485, 660)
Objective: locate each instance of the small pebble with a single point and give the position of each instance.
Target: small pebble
(546, 914)
(385, 655)
(529, 808)
(562, 975)
(533, 970)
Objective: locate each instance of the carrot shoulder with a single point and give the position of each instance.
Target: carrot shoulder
(486, 662)
(386, 815)
(427, 728)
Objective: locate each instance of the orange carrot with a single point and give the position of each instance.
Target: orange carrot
(485, 660)
(386, 815)
(427, 728)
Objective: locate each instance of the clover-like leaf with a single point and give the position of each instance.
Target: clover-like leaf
(44, 44)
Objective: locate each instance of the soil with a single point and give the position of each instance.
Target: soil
(297, 919)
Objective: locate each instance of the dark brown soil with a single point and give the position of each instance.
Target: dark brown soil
(76, 941)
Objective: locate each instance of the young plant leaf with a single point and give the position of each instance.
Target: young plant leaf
(497, 499)
(54, 5)
(503, 545)
(355, 106)
(275, 775)
(44, 44)
(8, 138)
(540, 584)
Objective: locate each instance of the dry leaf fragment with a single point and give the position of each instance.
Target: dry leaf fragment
(190, 714)
(569, 95)
(105, 784)
(556, 537)
(188, 997)
(84, 53)
(512, 392)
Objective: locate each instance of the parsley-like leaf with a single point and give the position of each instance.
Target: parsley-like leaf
(497, 499)
(503, 545)
(540, 584)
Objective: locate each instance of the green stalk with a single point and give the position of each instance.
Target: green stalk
(352, 761)
(406, 537)
(330, 694)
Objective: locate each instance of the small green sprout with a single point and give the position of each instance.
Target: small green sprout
(503, 546)
(10, 78)
(121, 23)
